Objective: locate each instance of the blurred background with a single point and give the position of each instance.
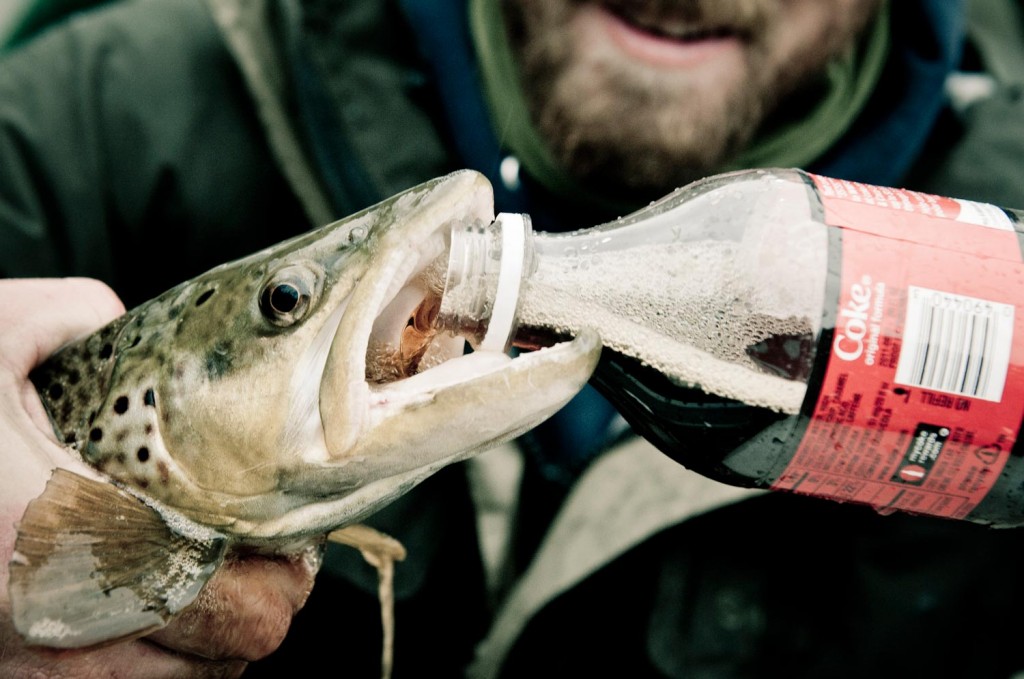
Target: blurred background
(9, 9)
(20, 18)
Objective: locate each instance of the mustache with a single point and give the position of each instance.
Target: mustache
(733, 16)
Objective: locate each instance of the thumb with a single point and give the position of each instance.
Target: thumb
(39, 315)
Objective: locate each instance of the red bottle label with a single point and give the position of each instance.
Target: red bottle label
(923, 392)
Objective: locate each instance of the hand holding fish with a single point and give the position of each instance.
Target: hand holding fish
(246, 608)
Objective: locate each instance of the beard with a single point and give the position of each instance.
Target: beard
(626, 127)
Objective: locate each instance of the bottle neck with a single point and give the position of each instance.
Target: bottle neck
(486, 267)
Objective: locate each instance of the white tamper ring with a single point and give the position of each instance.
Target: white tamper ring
(510, 276)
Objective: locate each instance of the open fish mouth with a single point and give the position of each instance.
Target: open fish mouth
(398, 398)
(386, 352)
(405, 339)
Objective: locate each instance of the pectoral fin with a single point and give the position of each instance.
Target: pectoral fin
(93, 563)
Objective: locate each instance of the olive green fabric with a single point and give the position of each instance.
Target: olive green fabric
(850, 82)
(36, 15)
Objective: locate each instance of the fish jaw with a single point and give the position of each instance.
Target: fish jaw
(417, 426)
(388, 293)
(381, 439)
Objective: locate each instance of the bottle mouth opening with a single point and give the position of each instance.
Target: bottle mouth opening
(482, 285)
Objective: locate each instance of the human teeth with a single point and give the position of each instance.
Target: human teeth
(690, 34)
(676, 31)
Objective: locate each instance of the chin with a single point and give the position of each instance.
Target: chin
(630, 136)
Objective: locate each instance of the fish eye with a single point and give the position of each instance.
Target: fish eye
(287, 295)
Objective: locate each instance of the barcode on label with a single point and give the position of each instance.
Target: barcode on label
(955, 344)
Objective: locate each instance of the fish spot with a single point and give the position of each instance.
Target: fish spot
(203, 297)
(106, 351)
(174, 311)
(95, 434)
(135, 342)
(69, 438)
(121, 458)
(165, 474)
(121, 436)
(74, 376)
(142, 454)
(148, 428)
(149, 398)
(55, 391)
(141, 482)
(121, 405)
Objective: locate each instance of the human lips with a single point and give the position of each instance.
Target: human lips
(659, 40)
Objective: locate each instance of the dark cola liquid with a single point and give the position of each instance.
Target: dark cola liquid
(743, 445)
(701, 431)
(708, 434)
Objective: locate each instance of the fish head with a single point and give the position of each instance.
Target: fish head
(264, 404)
(301, 388)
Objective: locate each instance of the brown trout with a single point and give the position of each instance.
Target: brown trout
(262, 405)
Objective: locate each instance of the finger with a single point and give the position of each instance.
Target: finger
(38, 315)
(245, 610)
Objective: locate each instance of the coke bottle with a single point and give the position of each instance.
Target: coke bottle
(783, 330)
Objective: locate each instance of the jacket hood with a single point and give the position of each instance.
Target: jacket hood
(927, 38)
